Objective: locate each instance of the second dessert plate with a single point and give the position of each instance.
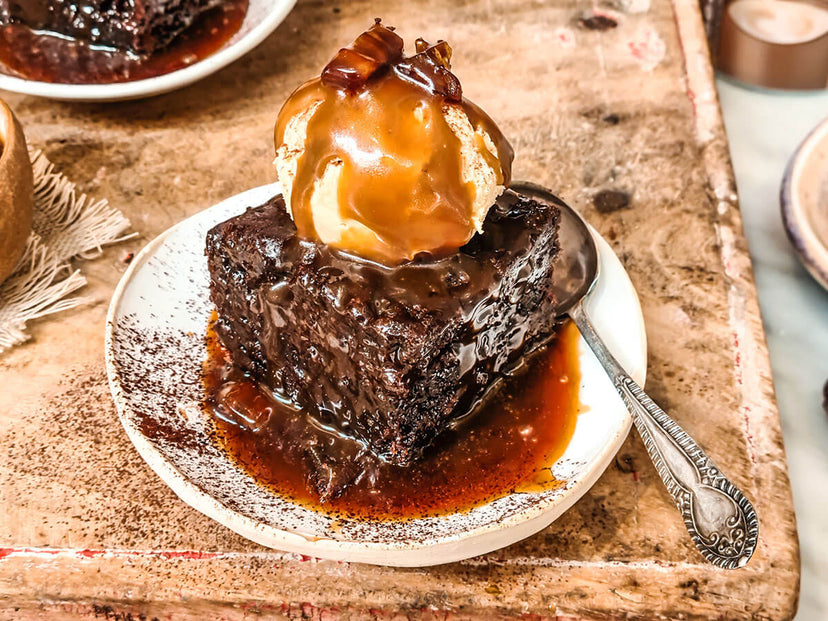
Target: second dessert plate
(155, 345)
(261, 19)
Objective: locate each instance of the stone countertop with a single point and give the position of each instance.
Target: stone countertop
(87, 528)
(794, 307)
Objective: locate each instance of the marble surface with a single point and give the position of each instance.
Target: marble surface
(764, 128)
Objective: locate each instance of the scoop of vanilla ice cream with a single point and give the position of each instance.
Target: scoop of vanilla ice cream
(475, 167)
(334, 229)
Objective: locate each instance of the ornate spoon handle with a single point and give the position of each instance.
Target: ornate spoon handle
(720, 520)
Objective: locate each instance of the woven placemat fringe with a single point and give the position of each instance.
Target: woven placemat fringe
(66, 225)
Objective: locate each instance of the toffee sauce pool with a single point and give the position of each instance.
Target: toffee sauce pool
(508, 446)
(47, 57)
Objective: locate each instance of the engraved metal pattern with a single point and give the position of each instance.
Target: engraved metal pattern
(720, 519)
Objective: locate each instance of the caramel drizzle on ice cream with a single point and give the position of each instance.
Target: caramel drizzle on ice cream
(390, 162)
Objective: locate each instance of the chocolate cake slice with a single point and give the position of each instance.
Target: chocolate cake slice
(137, 26)
(389, 356)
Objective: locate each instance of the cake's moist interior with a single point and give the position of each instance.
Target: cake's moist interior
(390, 356)
(379, 115)
(509, 446)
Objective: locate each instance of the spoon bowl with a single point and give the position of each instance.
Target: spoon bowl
(576, 268)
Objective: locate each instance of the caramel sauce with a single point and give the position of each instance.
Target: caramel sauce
(381, 119)
(508, 446)
(49, 57)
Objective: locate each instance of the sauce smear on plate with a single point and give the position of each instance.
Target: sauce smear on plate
(46, 57)
(508, 446)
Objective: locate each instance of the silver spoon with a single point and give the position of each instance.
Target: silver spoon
(719, 518)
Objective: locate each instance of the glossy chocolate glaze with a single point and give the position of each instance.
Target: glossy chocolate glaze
(47, 56)
(507, 447)
(379, 119)
(390, 356)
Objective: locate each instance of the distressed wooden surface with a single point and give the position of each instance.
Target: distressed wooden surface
(87, 530)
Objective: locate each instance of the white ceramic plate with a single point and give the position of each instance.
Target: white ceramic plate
(804, 201)
(262, 18)
(154, 348)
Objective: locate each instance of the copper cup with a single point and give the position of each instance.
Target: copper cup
(775, 43)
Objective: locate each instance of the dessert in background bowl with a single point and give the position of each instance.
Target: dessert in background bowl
(99, 51)
(16, 193)
(100, 42)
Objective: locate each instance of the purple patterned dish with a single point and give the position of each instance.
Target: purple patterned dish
(804, 201)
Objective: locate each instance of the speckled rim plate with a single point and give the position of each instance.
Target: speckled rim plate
(804, 202)
(154, 348)
(262, 18)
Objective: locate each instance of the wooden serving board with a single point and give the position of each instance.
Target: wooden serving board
(87, 530)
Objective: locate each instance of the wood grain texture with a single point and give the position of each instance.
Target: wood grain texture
(87, 530)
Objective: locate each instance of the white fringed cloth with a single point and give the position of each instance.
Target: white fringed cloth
(66, 225)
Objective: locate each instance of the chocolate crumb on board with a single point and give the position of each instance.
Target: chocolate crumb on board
(691, 589)
(597, 22)
(625, 463)
(607, 201)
